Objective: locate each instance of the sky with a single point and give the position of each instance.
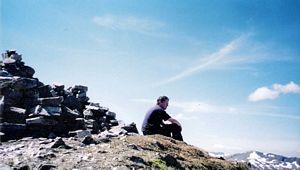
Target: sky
(230, 68)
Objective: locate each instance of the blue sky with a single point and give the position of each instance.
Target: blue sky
(230, 68)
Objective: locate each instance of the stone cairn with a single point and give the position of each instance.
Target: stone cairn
(28, 107)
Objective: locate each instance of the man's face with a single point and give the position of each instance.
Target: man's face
(164, 104)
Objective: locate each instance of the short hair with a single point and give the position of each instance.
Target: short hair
(162, 99)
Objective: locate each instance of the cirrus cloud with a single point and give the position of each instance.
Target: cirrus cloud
(128, 23)
(265, 93)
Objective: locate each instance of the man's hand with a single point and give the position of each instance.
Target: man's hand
(172, 120)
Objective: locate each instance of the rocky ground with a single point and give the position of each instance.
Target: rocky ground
(108, 151)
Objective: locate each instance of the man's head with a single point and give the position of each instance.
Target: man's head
(163, 102)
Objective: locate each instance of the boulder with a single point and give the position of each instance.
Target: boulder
(79, 89)
(25, 83)
(71, 102)
(41, 121)
(59, 143)
(14, 115)
(12, 131)
(110, 115)
(8, 61)
(26, 71)
(12, 97)
(96, 111)
(38, 111)
(44, 91)
(4, 73)
(93, 125)
(53, 110)
(28, 102)
(88, 140)
(88, 114)
(6, 82)
(14, 55)
(79, 124)
(113, 123)
(68, 114)
(51, 101)
(80, 133)
(131, 128)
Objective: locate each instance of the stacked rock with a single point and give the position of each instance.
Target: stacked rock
(28, 107)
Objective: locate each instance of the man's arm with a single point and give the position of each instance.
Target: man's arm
(172, 120)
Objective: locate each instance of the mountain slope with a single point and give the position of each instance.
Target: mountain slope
(268, 161)
(130, 151)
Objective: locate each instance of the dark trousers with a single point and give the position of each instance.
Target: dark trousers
(170, 130)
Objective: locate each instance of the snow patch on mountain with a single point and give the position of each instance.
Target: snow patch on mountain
(268, 161)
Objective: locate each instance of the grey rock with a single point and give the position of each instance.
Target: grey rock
(12, 131)
(83, 99)
(54, 111)
(137, 159)
(79, 89)
(58, 87)
(96, 111)
(46, 167)
(4, 73)
(79, 124)
(88, 114)
(81, 95)
(41, 121)
(27, 71)
(38, 111)
(27, 102)
(7, 61)
(6, 81)
(110, 115)
(22, 167)
(171, 161)
(52, 135)
(59, 143)
(71, 102)
(14, 115)
(94, 104)
(133, 146)
(15, 56)
(25, 83)
(131, 128)
(92, 124)
(88, 140)
(44, 91)
(12, 97)
(69, 114)
(51, 101)
(81, 133)
(113, 122)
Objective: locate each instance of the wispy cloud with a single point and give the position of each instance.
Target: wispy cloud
(128, 23)
(218, 59)
(265, 93)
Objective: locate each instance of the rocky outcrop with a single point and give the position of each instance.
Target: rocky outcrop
(29, 107)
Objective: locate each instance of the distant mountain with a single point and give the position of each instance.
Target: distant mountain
(266, 161)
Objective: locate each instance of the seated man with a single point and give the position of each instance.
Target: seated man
(153, 121)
